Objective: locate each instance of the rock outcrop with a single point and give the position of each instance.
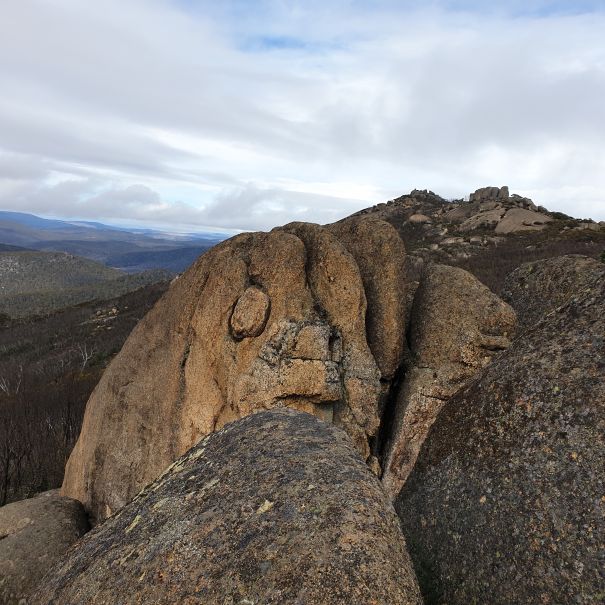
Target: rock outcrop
(519, 219)
(275, 508)
(34, 534)
(506, 501)
(304, 317)
(494, 209)
(490, 193)
(539, 288)
(456, 326)
(380, 255)
(488, 236)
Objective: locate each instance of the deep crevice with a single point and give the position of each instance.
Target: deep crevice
(389, 409)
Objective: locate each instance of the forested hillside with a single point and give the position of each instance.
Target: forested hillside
(33, 283)
(48, 367)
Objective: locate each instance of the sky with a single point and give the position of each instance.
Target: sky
(186, 114)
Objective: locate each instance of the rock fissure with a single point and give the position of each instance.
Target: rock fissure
(387, 422)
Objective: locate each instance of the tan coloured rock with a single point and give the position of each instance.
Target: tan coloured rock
(250, 314)
(519, 219)
(215, 349)
(380, 255)
(34, 534)
(276, 508)
(486, 220)
(490, 193)
(589, 226)
(456, 326)
(460, 213)
(420, 219)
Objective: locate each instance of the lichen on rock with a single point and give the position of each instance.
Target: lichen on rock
(277, 507)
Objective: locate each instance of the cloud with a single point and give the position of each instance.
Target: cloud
(247, 115)
(91, 198)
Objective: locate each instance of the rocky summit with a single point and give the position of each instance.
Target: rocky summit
(245, 445)
(275, 508)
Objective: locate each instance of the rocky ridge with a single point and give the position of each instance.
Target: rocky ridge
(369, 324)
(490, 235)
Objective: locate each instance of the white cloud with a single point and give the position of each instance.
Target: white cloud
(249, 115)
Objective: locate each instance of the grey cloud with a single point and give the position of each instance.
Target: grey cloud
(247, 208)
(382, 97)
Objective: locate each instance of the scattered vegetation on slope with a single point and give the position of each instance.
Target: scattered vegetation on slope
(34, 283)
(48, 368)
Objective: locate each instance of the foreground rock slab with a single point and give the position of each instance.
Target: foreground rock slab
(34, 533)
(538, 288)
(506, 503)
(275, 508)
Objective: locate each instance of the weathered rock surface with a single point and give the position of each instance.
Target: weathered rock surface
(34, 534)
(275, 508)
(262, 320)
(488, 220)
(250, 314)
(541, 287)
(380, 255)
(489, 193)
(506, 501)
(456, 326)
(519, 219)
(419, 218)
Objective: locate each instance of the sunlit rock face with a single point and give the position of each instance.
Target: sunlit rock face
(292, 318)
(336, 321)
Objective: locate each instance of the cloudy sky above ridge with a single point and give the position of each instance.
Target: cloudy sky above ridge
(244, 115)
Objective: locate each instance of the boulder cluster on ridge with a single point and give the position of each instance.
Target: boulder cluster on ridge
(348, 413)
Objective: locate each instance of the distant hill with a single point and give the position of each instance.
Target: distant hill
(101, 242)
(176, 260)
(34, 282)
(8, 248)
(41, 271)
(490, 235)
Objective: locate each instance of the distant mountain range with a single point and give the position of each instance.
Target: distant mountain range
(131, 250)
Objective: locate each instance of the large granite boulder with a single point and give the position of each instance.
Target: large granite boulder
(456, 327)
(262, 320)
(380, 255)
(538, 288)
(34, 534)
(490, 193)
(506, 501)
(277, 507)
